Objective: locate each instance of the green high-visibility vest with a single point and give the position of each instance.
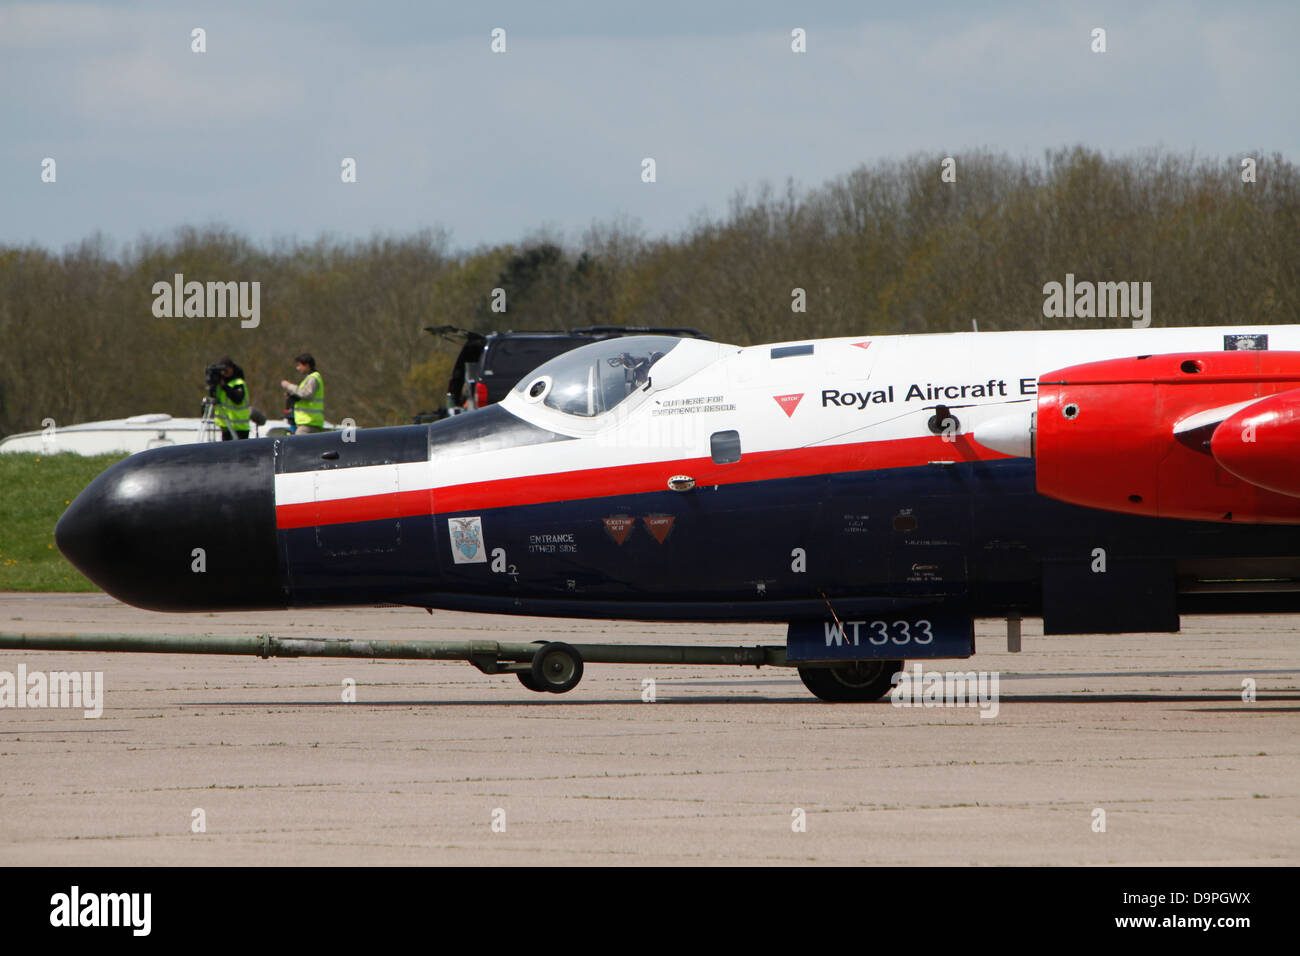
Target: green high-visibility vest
(311, 411)
(227, 413)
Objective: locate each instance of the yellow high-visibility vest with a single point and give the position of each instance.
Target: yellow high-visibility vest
(227, 413)
(311, 411)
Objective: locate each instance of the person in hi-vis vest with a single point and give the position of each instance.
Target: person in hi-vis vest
(233, 404)
(309, 396)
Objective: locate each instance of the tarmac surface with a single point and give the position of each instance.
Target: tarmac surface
(435, 763)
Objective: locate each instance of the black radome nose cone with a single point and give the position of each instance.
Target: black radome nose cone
(184, 528)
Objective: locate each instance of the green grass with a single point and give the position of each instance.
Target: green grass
(34, 491)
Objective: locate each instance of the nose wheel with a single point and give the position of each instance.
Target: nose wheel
(556, 669)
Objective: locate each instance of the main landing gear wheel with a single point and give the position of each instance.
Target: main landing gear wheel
(851, 682)
(557, 668)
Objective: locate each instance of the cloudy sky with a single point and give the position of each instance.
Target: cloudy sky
(148, 135)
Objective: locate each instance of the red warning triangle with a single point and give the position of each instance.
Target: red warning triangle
(788, 403)
(619, 526)
(862, 345)
(659, 526)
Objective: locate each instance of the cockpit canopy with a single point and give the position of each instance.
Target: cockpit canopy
(591, 380)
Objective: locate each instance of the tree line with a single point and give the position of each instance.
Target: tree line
(893, 246)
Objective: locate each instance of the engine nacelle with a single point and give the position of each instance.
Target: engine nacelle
(1261, 443)
(1162, 435)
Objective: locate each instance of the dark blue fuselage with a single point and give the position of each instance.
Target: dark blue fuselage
(971, 535)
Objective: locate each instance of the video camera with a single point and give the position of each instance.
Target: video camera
(212, 376)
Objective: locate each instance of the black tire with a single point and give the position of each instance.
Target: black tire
(526, 678)
(853, 682)
(557, 668)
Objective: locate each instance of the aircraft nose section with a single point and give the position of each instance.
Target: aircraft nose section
(184, 528)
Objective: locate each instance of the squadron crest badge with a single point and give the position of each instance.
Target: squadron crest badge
(466, 540)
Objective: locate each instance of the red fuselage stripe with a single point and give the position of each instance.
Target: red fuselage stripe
(631, 479)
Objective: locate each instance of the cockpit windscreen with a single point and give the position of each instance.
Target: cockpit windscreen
(591, 380)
